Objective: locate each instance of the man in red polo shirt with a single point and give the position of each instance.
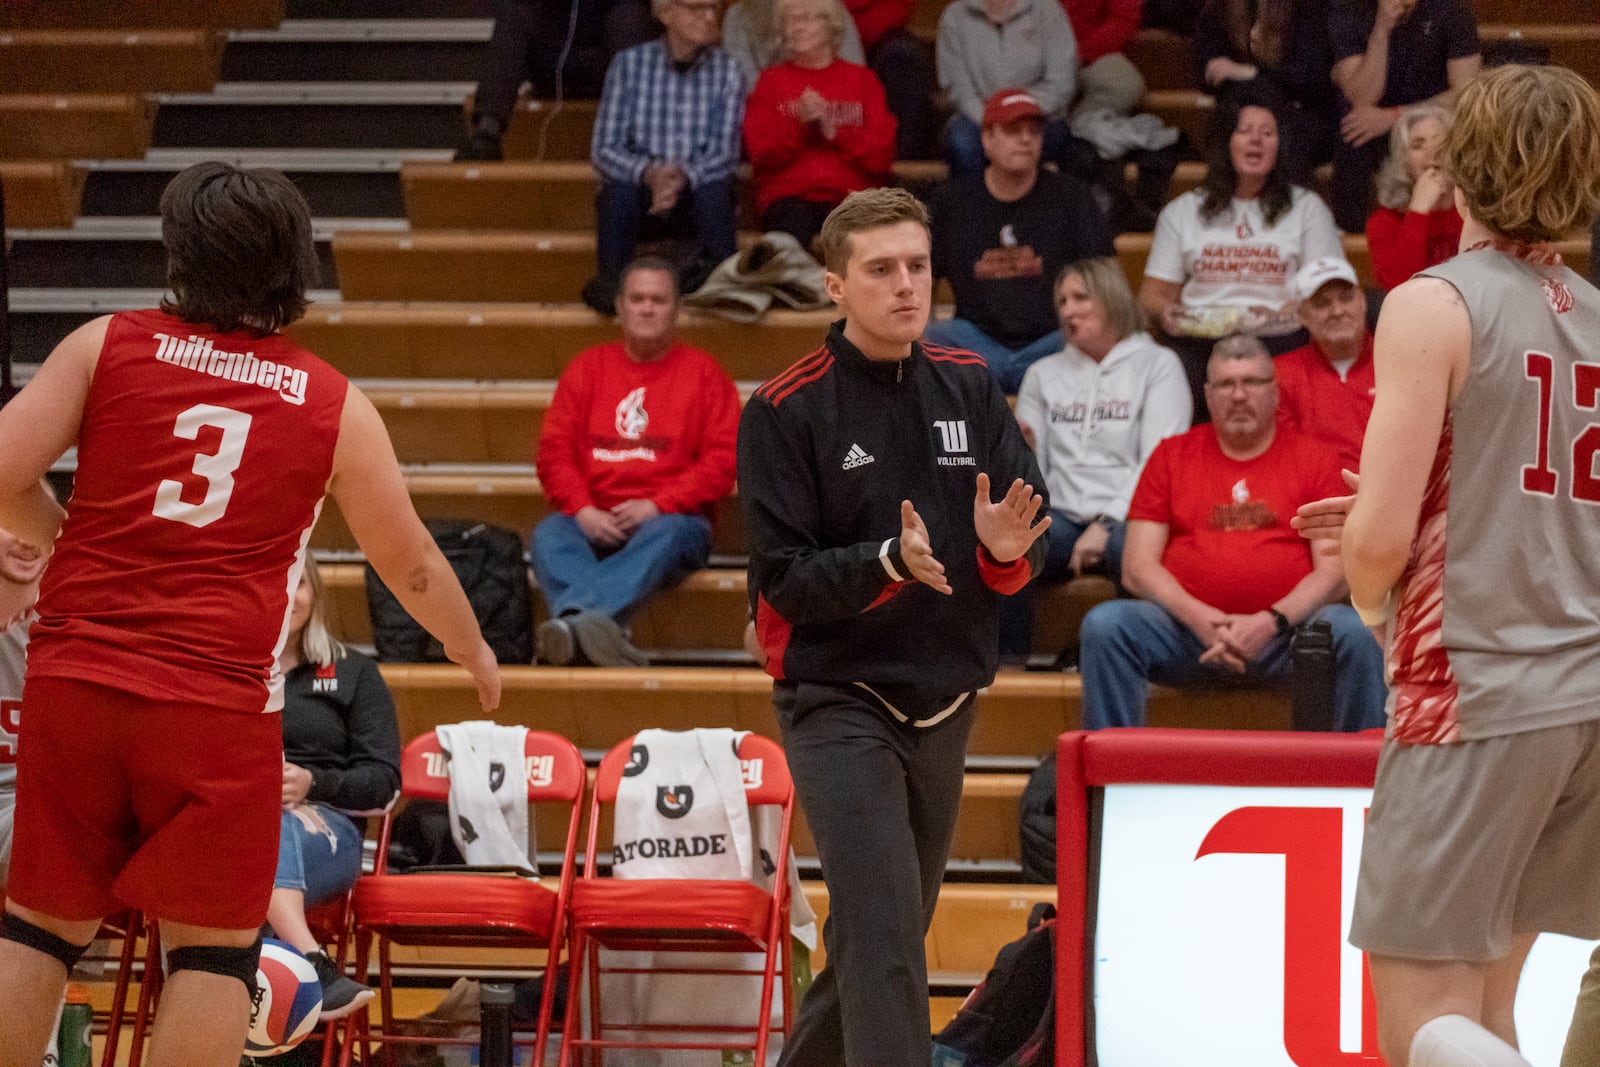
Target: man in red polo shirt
(1325, 388)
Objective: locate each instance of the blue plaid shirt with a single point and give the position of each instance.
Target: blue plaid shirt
(650, 113)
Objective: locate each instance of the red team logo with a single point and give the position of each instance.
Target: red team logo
(10, 727)
(1559, 294)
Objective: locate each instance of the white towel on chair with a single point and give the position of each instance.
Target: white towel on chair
(489, 793)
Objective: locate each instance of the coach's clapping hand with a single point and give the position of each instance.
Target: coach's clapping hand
(917, 551)
(1007, 528)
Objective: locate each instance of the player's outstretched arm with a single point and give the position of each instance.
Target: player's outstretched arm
(371, 493)
(36, 429)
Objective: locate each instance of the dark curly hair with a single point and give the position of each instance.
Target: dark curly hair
(239, 248)
(1222, 180)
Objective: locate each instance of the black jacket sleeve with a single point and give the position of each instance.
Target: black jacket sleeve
(802, 581)
(371, 772)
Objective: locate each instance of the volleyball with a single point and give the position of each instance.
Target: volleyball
(288, 1000)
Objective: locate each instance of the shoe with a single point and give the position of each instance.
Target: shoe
(603, 642)
(600, 294)
(480, 146)
(554, 641)
(341, 994)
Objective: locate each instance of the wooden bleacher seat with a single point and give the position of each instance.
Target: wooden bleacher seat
(41, 193)
(1574, 45)
(74, 126)
(1020, 715)
(120, 14)
(110, 61)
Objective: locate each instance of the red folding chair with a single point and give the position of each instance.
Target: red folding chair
(463, 909)
(675, 915)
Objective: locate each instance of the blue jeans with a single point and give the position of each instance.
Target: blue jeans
(1008, 365)
(575, 576)
(704, 213)
(319, 865)
(1127, 644)
(1016, 610)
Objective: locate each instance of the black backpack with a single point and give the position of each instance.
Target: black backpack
(1038, 819)
(1010, 1019)
(488, 562)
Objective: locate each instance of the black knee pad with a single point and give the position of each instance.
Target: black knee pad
(240, 963)
(23, 932)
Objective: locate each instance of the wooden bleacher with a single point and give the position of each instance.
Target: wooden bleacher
(128, 14)
(41, 193)
(110, 60)
(74, 126)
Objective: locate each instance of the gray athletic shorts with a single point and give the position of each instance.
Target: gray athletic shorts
(1468, 843)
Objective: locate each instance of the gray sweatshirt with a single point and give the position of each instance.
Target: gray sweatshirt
(1033, 49)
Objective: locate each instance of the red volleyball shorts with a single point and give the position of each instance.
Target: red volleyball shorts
(126, 801)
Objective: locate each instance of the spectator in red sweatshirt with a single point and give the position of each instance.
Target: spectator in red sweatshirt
(903, 62)
(1416, 225)
(816, 128)
(637, 448)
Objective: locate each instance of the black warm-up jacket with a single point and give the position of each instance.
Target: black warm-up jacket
(827, 451)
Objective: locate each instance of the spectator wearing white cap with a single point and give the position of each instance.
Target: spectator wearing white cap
(1326, 387)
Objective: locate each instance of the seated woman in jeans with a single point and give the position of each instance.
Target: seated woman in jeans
(341, 753)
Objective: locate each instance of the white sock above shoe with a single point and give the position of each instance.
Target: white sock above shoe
(1457, 1041)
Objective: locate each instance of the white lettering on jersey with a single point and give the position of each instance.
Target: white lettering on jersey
(197, 355)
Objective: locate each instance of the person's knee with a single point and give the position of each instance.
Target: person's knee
(227, 961)
(1456, 1041)
(58, 939)
(1104, 626)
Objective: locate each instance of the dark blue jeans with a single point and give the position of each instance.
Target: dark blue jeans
(1016, 610)
(576, 577)
(704, 214)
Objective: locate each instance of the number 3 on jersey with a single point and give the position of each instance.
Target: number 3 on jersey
(216, 468)
(1540, 478)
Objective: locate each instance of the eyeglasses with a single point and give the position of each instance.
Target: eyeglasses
(701, 10)
(1228, 385)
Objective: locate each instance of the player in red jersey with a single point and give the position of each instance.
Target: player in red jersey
(206, 440)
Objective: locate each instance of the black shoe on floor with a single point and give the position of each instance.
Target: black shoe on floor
(554, 643)
(603, 641)
(341, 994)
(480, 146)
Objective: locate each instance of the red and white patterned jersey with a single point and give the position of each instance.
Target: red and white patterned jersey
(1498, 626)
(202, 463)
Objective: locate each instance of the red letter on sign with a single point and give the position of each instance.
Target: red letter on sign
(1311, 842)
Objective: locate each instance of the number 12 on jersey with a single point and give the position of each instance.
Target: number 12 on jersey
(216, 468)
(1540, 478)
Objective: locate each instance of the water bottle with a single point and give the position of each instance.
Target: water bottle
(77, 1021)
(495, 1037)
(1312, 677)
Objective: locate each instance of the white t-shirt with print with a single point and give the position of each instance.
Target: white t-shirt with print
(1235, 261)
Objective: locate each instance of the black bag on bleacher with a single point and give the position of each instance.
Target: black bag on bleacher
(1010, 1019)
(488, 562)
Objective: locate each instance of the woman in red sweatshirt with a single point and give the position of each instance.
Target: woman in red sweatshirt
(816, 128)
(1415, 225)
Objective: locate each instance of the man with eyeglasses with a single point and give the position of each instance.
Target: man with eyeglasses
(1224, 578)
(666, 142)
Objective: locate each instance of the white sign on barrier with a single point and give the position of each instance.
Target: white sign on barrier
(1219, 937)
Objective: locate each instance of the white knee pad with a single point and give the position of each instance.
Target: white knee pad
(1457, 1041)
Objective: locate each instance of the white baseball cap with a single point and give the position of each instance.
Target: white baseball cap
(1320, 272)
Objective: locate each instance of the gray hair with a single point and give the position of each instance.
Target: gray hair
(1394, 178)
(832, 10)
(1237, 347)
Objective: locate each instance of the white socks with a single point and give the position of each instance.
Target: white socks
(1457, 1041)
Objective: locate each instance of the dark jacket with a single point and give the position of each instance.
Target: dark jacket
(827, 451)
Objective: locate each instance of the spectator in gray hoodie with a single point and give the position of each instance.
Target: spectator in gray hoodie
(988, 45)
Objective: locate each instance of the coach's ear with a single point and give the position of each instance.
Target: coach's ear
(833, 285)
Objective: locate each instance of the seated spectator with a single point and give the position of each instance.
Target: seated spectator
(1388, 55)
(903, 62)
(341, 754)
(21, 566)
(1325, 388)
(1224, 578)
(1107, 79)
(1416, 225)
(989, 45)
(1000, 236)
(637, 447)
(666, 142)
(1092, 413)
(1224, 254)
(526, 45)
(1275, 50)
(816, 128)
(752, 33)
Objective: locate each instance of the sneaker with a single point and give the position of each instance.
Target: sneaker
(603, 641)
(554, 643)
(341, 994)
(480, 146)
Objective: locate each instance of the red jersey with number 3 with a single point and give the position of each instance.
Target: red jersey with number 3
(202, 462)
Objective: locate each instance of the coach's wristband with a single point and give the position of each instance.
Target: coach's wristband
(1381, 615)
(893, 564)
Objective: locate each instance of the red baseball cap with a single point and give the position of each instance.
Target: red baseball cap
(1009, 105)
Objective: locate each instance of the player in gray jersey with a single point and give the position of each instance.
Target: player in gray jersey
(1484, 829)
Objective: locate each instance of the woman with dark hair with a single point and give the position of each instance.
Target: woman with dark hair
(1224, 254)
(1276, 50)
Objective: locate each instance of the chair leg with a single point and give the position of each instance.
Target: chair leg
(547, 1002)
(149, 992)
(576, 949)
(119, 990)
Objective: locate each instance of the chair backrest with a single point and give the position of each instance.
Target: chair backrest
(554, 765)
(761, 765)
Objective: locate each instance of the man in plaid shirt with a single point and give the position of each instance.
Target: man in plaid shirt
(666, 144)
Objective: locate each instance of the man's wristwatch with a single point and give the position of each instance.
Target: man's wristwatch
(1281, 620)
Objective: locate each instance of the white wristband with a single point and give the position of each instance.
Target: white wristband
(883, 558)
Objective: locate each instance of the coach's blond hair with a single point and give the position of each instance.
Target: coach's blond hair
(868, 209)
(317, 645)
(1524, 149)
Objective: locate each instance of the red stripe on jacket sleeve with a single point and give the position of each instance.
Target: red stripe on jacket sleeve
(772, 634)
(1004, 578)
